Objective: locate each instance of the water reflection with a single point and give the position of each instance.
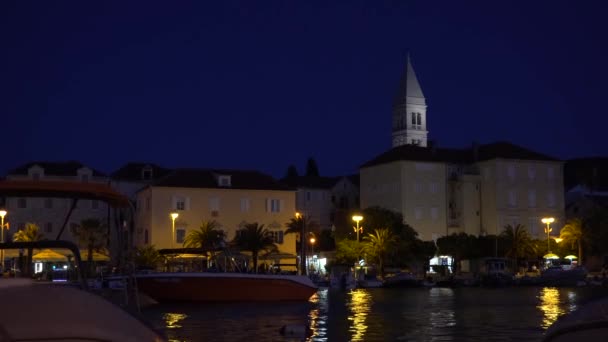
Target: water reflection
(442, 314)
(550, 306)
(360, 303)
(172, 320)
(318, 316)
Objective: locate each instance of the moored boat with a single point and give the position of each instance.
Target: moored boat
(225, 287)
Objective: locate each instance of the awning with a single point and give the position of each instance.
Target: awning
(550, 256)
(571, 257)
(49, 255)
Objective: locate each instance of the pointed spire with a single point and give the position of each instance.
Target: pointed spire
(409, 89)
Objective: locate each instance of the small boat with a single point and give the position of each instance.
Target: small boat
(224, 287)
(370, 282)
(402, 279)
(557, 276)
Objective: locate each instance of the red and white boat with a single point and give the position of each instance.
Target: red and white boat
(225, 287)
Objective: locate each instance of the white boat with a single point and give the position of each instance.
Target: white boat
(59, 312)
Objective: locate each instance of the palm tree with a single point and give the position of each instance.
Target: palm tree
(519, 241)
(254, 238)
(207, 238)
(300, 225)
(92, 234)
(31, 233)
(148, 257)
(572, 233)
(378, 245)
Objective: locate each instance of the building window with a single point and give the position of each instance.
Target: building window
(533, 226)
(48, 203)
(180, 203)
(531, 172)
(418, 213)
(146, 237)
(413, 119)
(511, 172)
(434, 213)
(94, 204)
(48, 227)
(417, 187)
(273, 205)
(224, 181)
(550, 172)
(22, 203)
(180, 235)
(532, 198)
(512, 198)
(434, 187)
(551, 199)
(244, 205)
(419, 119)
(277, 236)
(214, 206)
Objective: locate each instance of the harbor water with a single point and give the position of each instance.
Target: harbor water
(419, 314)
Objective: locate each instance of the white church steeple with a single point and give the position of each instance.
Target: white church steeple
(409, 111)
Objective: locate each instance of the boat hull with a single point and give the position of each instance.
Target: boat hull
(225, 287)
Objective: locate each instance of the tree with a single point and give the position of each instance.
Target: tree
(459, 246)
(378, 246)
(518, 241)
(148, 257)
(572, 233)
(311, 168)
(93, 235)
(348, 251)
(254, 238)
(208, 237)
(31, 233)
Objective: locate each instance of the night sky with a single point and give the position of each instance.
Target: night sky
(264, 84)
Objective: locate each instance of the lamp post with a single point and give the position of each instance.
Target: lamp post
(302, 221)
(548, 221)
(2, 214)
(173, 217)
(312, 248)
(358, 218)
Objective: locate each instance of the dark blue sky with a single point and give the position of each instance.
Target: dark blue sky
(263, 84)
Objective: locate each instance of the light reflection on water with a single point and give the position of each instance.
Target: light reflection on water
(437, 314)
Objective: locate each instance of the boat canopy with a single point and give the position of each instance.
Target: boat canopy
(550, 256)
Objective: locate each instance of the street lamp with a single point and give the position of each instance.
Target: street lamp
(358, 218)
(300, 219)
(312, 248)
(548, 221)
(173, 217)
(2, 214)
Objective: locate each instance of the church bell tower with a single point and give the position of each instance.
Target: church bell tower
(409, 111)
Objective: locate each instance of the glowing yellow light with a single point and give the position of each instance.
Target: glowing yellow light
(357, 218)
(550, 306)
(558, 240)
(548, 220)
(312, 240)
(360, 306)
(2, 213)
(174, 215)
(172, 319)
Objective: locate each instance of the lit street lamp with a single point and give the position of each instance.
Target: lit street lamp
(548, 221)
(2, 225)
(173, 217)
(358, 218)
(302, 221)
(312, 247)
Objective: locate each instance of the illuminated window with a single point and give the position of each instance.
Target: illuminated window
(277, 236)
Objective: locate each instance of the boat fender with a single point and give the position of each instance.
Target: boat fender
(293, 330)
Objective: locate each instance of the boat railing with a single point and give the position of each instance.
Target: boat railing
(56, 244)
